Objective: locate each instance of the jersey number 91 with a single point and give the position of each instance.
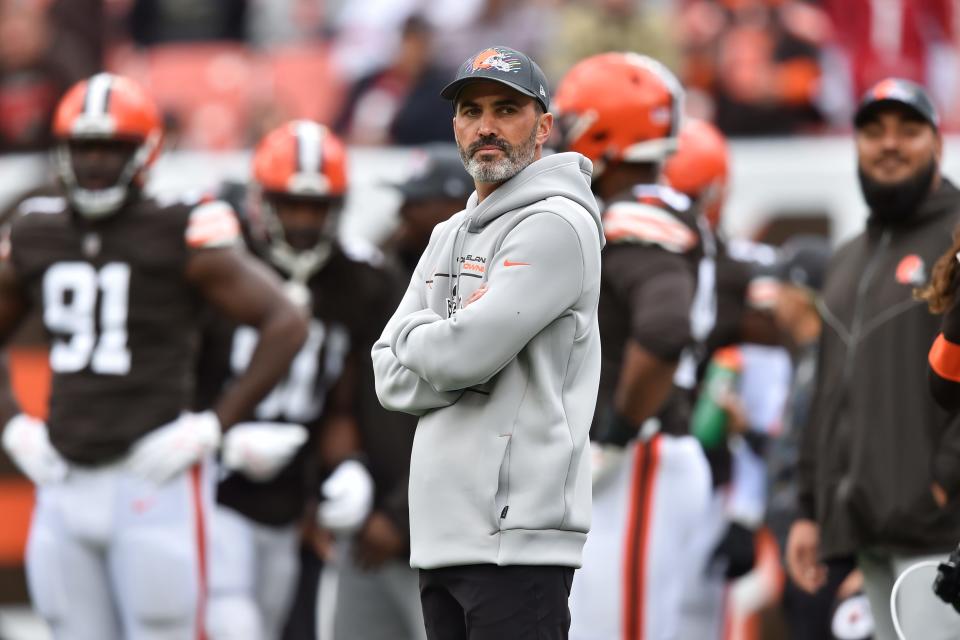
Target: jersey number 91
(70, 294)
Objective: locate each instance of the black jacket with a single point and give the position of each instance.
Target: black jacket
(876, 440)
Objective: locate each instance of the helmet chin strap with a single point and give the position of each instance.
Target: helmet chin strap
(99, 203)
(299, 265)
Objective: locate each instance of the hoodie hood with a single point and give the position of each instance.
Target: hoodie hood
(566, 175)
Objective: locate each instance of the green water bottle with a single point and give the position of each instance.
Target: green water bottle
(709, 422)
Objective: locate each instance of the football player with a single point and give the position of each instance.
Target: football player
(118, 542)
(700, 170)
(293, 208)
(651, 482)
(723, 547)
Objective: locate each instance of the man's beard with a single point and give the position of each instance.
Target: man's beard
(892, 203)
(516, 158)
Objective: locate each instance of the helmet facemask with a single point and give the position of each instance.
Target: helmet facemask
(303, 250)
(102, 202)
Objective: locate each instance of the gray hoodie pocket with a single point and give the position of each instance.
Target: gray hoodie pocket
(501, 501)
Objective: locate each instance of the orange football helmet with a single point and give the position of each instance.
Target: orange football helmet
(300, 160)
(700, 167)
(619, 107)
(111, 108)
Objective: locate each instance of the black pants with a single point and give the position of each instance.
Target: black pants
(487, 602)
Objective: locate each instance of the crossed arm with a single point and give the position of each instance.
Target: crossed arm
(423, 361)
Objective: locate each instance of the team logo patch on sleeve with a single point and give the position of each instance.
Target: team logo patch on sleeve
(212, 224)
(646, 224)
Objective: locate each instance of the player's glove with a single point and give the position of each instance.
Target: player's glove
(347, 497)
(259, 450)
(176, 446)
(736, 550)
(27, 442)
(616, 430)
(947, 583)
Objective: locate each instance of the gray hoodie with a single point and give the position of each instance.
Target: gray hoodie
(505, 388)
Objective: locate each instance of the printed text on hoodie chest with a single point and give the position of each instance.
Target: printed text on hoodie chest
(458, 285)
(469, 265)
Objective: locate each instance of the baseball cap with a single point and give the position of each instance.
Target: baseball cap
(437, 173)
(803, 262)
(506, 66)
(897, 91)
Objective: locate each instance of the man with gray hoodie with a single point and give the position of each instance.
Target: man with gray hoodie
(495, 347)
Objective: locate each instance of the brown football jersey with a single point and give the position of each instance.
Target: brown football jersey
(647, 283)
(351, 300)
(121, 316)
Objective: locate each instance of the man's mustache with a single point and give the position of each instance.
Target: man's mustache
(493, 141)
(891, 155)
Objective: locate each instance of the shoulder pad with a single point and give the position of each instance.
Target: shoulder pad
(360, 250)
(212, 224)
(42, 205)
(662, 195)
(646, 224)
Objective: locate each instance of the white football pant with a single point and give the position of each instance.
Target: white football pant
(253, 576)
(111, 555)
(637, 558)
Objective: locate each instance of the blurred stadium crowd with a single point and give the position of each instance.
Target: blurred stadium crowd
(225, 71)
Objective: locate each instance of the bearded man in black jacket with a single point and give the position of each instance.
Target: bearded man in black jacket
(880, 461)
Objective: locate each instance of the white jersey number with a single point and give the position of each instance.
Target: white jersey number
(300, 396)
(70, 293)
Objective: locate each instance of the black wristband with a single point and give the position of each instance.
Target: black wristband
(757, 442)
(618, 430)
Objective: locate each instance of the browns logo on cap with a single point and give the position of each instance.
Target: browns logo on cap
(506, 66)
(496, 58)
(897, 91)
